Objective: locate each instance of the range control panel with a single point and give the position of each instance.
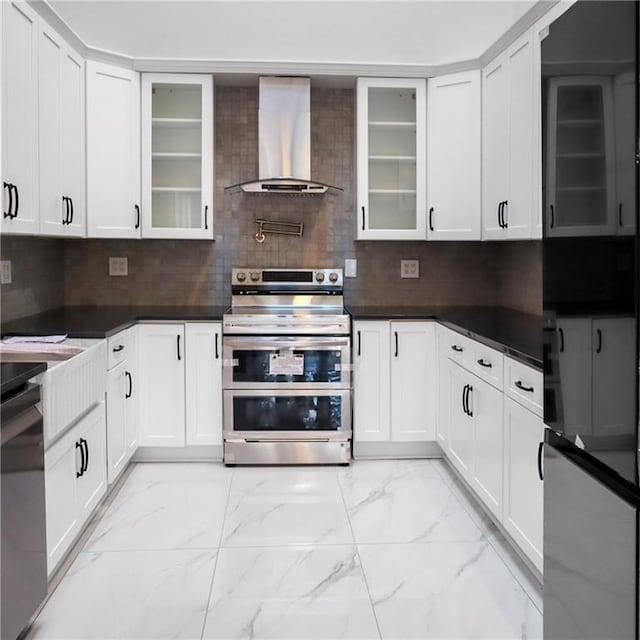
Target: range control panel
(305, 278)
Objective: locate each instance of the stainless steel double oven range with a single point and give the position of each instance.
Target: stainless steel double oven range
(287, 368)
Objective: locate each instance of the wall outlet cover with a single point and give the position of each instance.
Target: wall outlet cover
(118, 267)
(409, 268)
(5, 271)
(350, 268)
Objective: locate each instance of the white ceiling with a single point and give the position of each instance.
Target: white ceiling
(396, 32)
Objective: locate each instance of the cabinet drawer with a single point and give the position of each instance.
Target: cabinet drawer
(117, 347)
(459, 348)
(524, 385)
(488, 364)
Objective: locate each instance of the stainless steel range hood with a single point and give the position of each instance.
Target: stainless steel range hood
(284, 140)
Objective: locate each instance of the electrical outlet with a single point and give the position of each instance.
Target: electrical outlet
(118, 267)
(350, 268)
(5, 272)
(409, 268)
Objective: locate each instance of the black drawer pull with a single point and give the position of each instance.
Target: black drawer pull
(522, 387)
(455, 347)
(363, 218)
(396, 334)
(217, 353)
(540, 451)
(599, 334)
(464, 395)
(431, 219)
(83, 442)
(206, 216)
(469, 390)
(553, 217)
(79, 446)
(137, 208)
(561, 332)
(482, 363)
(65, 217)
(359, 343)
(128, 394)
(8, 213)
(120, 347)
(178, 346)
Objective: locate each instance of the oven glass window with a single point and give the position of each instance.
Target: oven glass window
(262, 365)
(287, 413)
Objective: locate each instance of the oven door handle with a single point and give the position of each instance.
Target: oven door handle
(303, 343)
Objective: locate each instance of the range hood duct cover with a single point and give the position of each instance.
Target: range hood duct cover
(284, 140)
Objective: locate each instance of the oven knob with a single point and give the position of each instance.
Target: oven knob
(333, 276)
(241, 277)
(319, 277)
(255, 276)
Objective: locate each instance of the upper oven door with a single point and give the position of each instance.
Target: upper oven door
(259, 362)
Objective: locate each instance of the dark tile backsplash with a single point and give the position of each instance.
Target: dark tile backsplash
(198, 272)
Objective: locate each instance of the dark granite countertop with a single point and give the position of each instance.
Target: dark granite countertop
(515, 333)
(102, 322)
(14, 374)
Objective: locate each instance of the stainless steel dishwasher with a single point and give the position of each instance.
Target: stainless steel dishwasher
(23, 551)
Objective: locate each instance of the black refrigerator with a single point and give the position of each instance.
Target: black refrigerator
(590, 303)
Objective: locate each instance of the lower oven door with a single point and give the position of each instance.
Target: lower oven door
(260, 362)
(287, 415)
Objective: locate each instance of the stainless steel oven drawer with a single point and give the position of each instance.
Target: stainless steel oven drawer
(269, 362)
(279, 452)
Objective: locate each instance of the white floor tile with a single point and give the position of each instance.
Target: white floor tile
(404, 503)
(273, 507)
(447, 590)
(149, 595)
(166, 506)
(303, 592)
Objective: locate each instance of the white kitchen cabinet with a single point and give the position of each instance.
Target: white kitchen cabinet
(580, 183)
(161, 387)
(523, 506)
(413, 381)
(453, 156)
(122, 415)
(443, 408)
(61, 147)
(75, 482)
(177, 156)
(113, 151)
(625, 114)
(461, 423)
(394, 381)
(371, 381)
(391, 150)
(509, 143)
(203, 380)
(19, 118)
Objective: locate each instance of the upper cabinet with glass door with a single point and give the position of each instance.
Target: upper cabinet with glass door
(391, 142)
(177, 156)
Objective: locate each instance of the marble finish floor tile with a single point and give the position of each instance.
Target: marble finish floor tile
(166, 506)
(129, 594)
(273, 507)
(404, 503)
(447, 590)
(301, 592)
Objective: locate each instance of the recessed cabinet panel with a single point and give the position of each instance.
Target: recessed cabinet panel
(177, 156)
(391, 159)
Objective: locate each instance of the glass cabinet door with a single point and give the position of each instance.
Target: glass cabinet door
(177, 156)
(391, 159)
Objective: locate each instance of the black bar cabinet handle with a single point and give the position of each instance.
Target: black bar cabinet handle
(505, 218)
(519, 384)
(120, 347)
(79, 446)
(65, 217)
(396, 335)
(137, 208)
(500, 214)
(620, 215)
(178, 346)
(599, 347)
(71, 210)
(9, 186)
(464, 395)
(540, 452)
(482, 363)
(15, 214)
(128, 394)
(469, 411)
(216, 350)
(455, 347)
(561, 332)
(431, 219)
(83, 442)
(553, 217)
(363, 218)
(206, 215)
(359, 343)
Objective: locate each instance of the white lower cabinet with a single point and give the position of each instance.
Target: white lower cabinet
(461, 425)
(75, 481)
(523, 508)
(180, 384)
(394, 381)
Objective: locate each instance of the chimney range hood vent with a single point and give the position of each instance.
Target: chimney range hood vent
(284, 140)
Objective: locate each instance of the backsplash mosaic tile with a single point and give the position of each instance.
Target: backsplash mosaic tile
(166, 272)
